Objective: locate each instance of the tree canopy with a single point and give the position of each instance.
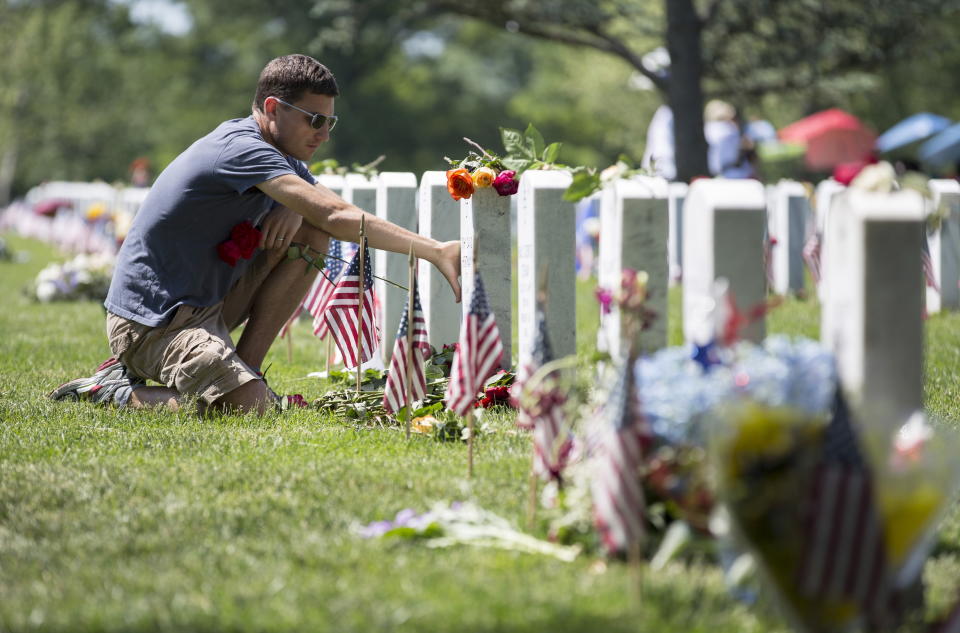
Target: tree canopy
(88, 88)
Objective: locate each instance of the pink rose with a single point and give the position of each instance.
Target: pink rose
(505, 183)
(605, 297)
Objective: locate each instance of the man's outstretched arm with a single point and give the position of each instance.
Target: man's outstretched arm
(327, 211)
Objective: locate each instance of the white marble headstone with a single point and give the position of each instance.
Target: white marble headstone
(546, 244)
(396, 203)
(945, 248)
(440, 219)
(824, 194)
(788, 215)
(725, 225)
(333, 182)
(676, 194)
(634, 230)
(876, 331)
(485, 242)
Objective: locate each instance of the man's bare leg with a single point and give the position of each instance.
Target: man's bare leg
(279, 295)
(251, 396)
(149, 397)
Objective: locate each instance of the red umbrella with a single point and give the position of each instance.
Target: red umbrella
(831, 137)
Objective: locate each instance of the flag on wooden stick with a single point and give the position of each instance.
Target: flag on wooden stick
(356, 338)
(478, 354)
(843, 554)
(617, 494)
(333, 266)
(394, 393)
(540, 405)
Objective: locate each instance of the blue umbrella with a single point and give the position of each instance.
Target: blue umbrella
(912, 129)
(942, 149)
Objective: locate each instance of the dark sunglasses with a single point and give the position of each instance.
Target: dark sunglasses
(316, 120)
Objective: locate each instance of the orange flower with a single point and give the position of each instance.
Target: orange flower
(459, 183)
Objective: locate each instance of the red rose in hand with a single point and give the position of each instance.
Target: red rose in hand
(247, 238)
(459, 183)
(505, 183)
(229, 252)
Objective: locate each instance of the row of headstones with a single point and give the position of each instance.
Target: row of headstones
(872, 290)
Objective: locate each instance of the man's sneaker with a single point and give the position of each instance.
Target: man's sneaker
(111, 384)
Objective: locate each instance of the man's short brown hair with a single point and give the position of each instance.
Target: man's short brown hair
(291, 76)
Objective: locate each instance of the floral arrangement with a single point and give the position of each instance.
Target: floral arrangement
(448, 524)
(740, 436)
(243, 242)
(428, 416)
(85, 277)
(482, 169)
(770, 461)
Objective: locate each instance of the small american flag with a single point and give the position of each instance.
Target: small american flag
(356, 342)
(394, 393)
(843, 554)
(541, 408)
(928, 274)
(325, 285)
(478, 354)
(811, 255)
(618, 502)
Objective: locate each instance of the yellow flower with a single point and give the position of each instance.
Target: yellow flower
(483, 177)
(96, 211)
(423, 424)
(907, 512)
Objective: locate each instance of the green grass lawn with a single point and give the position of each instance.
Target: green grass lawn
(146, 521)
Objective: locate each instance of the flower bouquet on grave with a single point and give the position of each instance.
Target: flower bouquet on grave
(85, 277)
(482, 168)
(841, 537)
(449, 524)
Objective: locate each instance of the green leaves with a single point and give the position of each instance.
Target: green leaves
(551, 152)
(527, 150)
(584, 183)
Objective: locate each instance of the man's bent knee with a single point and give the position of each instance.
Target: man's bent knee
(249, 397)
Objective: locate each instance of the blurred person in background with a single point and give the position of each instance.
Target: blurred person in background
(730, 154)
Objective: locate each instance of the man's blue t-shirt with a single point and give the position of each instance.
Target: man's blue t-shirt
(169, 257)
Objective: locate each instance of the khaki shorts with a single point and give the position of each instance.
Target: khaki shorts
(194, 353)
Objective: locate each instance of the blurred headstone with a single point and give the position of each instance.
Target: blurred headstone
(485, 242)
(876, 305)
(788, 214)
(945, 248)
(723, 237)
(634, 227)
(440, 219)
(396, 203)
(546, 243)
(676, 194)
